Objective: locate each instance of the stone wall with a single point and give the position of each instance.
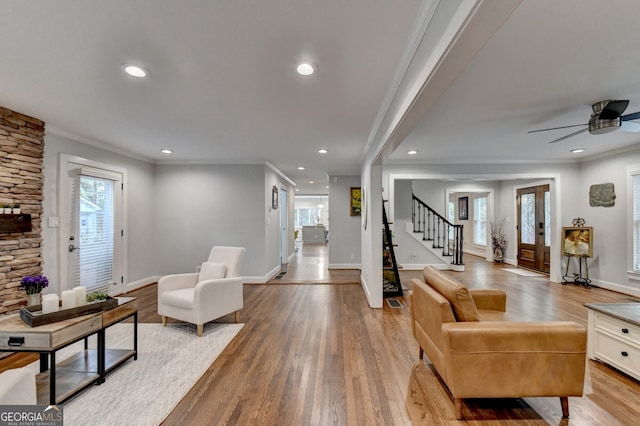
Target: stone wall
(21, 182)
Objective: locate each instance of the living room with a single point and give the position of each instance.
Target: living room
(464, 100)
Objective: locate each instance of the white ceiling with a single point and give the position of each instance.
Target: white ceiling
(543, 68)
(223, 87)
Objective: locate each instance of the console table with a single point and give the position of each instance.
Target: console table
(58, 381)
(614, 335)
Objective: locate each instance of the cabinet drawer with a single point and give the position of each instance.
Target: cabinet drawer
(24, 341)
(618, 328)
(618, 353)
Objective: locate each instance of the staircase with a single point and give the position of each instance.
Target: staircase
(441, 237)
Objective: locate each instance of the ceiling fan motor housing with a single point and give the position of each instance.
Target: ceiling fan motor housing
(600, 126)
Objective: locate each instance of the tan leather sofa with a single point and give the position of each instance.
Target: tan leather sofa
(481, 351)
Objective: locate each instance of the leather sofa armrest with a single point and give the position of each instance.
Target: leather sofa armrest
(489, 299)
(490, 336)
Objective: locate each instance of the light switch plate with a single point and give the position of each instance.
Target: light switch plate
(54, 222)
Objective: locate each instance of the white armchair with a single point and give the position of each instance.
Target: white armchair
(198, 298)
(18, 387)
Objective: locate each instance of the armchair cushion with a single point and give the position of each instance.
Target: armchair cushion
(211, 271)
(182, 298)
(464, 308)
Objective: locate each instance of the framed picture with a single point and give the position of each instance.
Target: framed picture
(274, 197)
(463, 208)
(356, 201)
(577, 241)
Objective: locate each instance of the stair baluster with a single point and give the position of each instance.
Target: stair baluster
(435, 227)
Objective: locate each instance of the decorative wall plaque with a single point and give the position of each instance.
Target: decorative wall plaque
(602, 195)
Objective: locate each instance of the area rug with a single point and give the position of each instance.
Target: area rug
(144, 392)
(523, 272)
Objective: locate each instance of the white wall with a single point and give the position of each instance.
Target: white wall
(140, 232)
(199, 206)
(611, 233)
(344, 238)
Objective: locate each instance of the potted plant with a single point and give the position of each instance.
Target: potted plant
(16, 208)
(33, 285)
(498, 241)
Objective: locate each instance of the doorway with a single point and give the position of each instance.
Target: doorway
(534, 228)
(92, 231)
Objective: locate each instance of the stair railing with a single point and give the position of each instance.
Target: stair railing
(434, 227)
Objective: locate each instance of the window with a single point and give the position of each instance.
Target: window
(307, 217)
(480, 221)
(635, 221)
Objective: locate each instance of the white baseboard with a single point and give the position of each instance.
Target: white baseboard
(619, 288)
(141, 283)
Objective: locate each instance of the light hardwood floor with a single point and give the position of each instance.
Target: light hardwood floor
(318, 355)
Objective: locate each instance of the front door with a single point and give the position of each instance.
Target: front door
(534, 225)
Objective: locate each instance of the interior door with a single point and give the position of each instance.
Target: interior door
(534, 225)
(284, 228)
(94, 231)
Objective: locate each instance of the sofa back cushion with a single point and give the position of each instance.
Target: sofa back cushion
(464, 308)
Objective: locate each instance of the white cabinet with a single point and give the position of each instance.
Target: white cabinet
(614, 335)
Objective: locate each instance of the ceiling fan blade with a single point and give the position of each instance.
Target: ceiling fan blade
(630, 126)
(632, 116)
(556, 128)
(569, 135)
(613, 110)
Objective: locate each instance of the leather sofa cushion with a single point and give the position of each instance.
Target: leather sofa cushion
(464, 308)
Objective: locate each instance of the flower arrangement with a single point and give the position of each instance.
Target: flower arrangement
(498, 240)
(34, 284)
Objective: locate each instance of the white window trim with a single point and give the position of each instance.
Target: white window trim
(631, 171)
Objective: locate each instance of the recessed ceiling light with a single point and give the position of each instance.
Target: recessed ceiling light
(320, 206)
(327, 187)
(300, 167)
(167, 151)
(312, 182)
(297, 190)
(306, 68)
(322, 151)
(412, 152)
(135, 71)
(577, 150)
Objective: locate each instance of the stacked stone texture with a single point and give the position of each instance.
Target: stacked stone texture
(21, 182)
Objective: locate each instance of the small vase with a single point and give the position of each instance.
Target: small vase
(33, 299)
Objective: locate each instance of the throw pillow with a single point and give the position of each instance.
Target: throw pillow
(212, 271)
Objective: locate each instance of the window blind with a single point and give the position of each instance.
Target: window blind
(95, 212)
(636, 221)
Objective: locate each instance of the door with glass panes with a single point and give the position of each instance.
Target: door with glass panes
(534, 228)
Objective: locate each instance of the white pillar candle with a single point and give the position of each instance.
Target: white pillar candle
(68, 299)
(50, 303)
(81, 295)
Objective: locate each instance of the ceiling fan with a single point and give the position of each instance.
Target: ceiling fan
(606, 118)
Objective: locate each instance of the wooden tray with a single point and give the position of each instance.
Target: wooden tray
(33, 316)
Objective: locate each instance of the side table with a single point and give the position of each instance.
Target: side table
(58, 381)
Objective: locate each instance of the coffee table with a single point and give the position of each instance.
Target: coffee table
(59, 381)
